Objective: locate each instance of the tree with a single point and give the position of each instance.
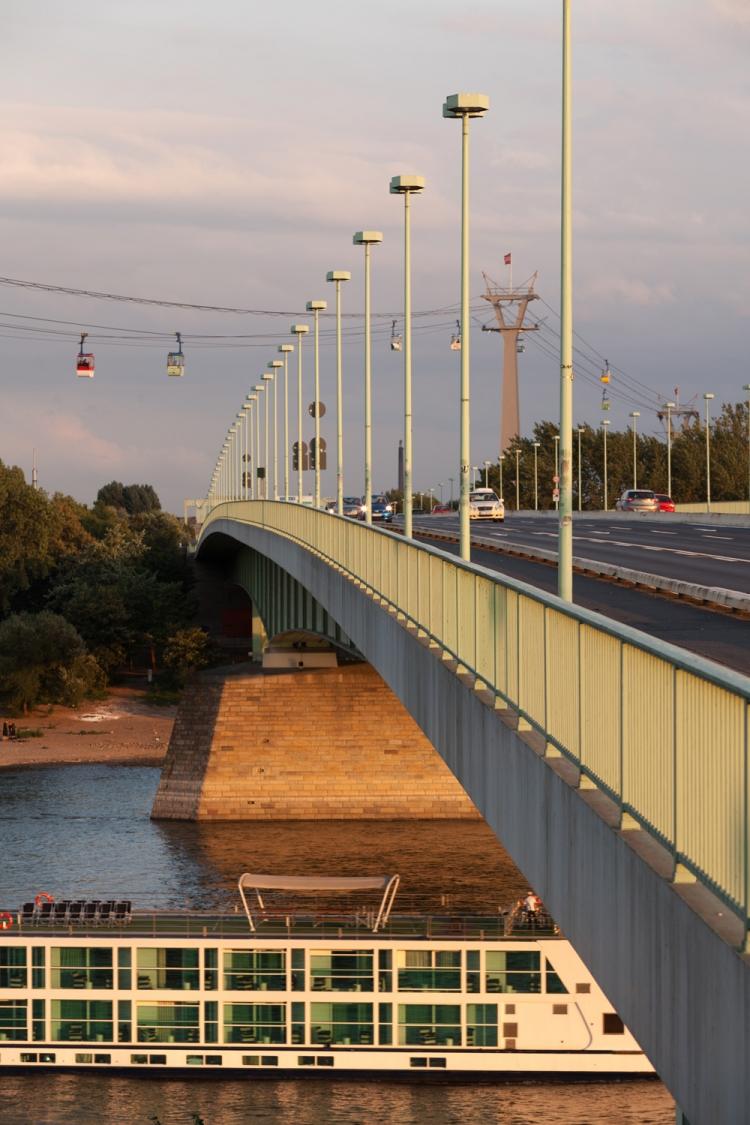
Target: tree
(186, 651)
(130, 498)
(44, 660)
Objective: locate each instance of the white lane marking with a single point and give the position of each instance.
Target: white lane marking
(663, 532)
(729, 538)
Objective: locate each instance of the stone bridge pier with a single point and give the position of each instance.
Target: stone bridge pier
(330, 743)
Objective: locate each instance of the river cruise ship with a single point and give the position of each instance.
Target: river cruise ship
(282, 988)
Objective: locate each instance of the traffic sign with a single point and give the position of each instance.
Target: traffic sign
(321, 409)
(555, 493)
(555, 480)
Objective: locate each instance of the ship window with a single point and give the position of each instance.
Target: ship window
(559, 1009)
(429, 1025)
(13, 1019)
(168, 968)
(298, 1022)
(81, 1021)
(138, 1060)
(510, 1030)
(29, 1056)
(440, 1063)
(553, 983)
(306, 1060)
(157, 1060)
(37, 966)
(341, 1023)
(585, 987)
(166, 1022)
(298, 970)
(612, 1024)
(341, 970)
(74, 966)
(256, 970)
(124, 1021)
(473, 975)
(429, 970)
(214, 1060)
(385, 970)
(211, 1023)
(417, 1062)
(385, 1024)
(513, 971)
(255, 1023)
(195, 1060)
(13, 966)
(102, 1059)
(210, 969)
(124, 974)
(84, 1058)
(481, 1025)
(326, 1060)
(269, 1060)
(38, 1025)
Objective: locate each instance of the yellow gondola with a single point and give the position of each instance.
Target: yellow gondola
(176, 360)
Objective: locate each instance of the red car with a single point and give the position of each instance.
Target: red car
(442, 510)
(666, 503)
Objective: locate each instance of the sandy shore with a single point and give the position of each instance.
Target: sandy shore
(122, 729)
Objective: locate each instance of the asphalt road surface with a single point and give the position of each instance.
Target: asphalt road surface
(707, 554)
(716, 635)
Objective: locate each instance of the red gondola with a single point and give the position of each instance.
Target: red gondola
(84, 361)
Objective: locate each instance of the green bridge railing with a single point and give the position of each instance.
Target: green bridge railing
(662, 732)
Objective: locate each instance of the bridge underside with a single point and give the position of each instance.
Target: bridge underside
(680, 987)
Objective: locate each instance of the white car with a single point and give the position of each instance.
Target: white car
(484, 504)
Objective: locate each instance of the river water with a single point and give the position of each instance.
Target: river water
(84, 831)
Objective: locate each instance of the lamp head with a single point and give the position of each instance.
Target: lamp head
(268, 376)
(276, 363)
(367, 237)
(259, 387)
(338, 275)
(466, 105)
(300, 329)
(635, 413)
(405, 185)
(709, 395)
(606, 422)
(316, 306)
(286, 348)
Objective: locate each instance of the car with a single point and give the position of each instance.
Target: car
(382, 510)
(352, 506)
(484, 504)
(442, 510)
(637, 500)
(666, 503)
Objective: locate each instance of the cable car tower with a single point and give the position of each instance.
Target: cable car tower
(510, 305)
(674, 411)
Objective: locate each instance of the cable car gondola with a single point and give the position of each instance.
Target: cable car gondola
(396, 341)
(84, 361)
(456, 338)
(176, 360)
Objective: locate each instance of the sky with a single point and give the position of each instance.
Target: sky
(225, 154)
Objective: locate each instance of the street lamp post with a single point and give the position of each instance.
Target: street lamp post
(746, 389)
(517, 452)
(299, 331)
(580, 431)
(605, 426)
(487, 474)
(565, 486)
(536, 476)
(368, 238)
(635, 415)
(465, 106)
(267, 378)
(407, 186)
(670, 406)
(317, 307)
(440, 486)
(557, 471)
(337, 276)
(451, 480)
(276, 365)
(258, 388)
(474, 476)
(285, 349)
(707, 398)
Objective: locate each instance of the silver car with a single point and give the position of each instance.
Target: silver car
(637, 500)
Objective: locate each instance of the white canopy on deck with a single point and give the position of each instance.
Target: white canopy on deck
(313, 884)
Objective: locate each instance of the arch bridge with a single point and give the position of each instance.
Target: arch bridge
(612, 767)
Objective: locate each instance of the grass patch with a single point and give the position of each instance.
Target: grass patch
(29, 732)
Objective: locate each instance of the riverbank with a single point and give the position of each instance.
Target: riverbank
(123, 729)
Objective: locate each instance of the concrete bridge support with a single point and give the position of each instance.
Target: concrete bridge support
(662, 960)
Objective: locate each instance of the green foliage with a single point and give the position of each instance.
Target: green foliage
(131, 498)
(187, 650)
(23, 733)
(44, 660)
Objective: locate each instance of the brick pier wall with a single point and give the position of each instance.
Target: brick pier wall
(330, 743)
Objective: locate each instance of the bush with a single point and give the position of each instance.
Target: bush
(44, 660)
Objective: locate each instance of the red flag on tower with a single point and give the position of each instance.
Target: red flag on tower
(507, 259)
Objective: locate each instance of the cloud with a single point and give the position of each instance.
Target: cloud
(735, 11)
(632, 291)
